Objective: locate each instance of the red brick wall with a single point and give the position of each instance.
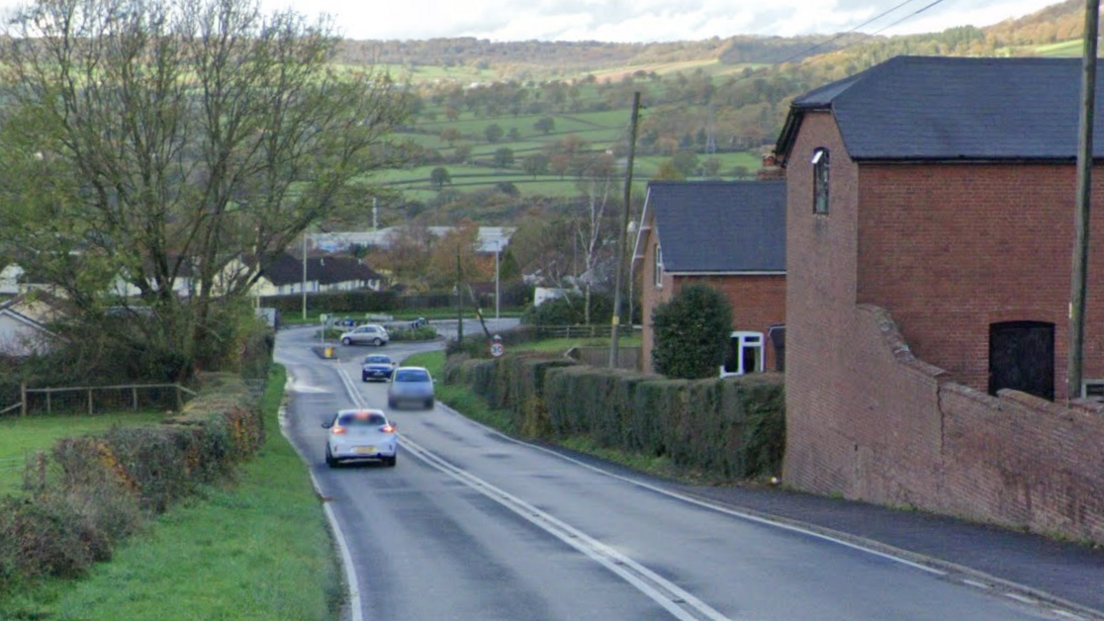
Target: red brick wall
(650, 295)
(758, 302)
(951, 249)
(867, 415)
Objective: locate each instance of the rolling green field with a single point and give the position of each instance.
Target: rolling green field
(22, 437)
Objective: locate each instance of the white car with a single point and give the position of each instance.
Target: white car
(361, 434)
(368, 333)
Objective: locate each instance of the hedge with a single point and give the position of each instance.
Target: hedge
(90, 492)
(733, 427)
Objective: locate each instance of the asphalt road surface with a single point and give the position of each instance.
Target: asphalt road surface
(473, 525)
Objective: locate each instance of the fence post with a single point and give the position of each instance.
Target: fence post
(89, 401)
(49, 406)
(134, 396)
(179, 399)
(23, 399)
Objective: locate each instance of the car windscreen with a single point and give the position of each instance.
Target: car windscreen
(361, 420)
(412, 376)
(377, 360)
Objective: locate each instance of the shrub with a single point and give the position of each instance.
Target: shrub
(421, 333)
(95, 490)
(691, 333)
(570, 310)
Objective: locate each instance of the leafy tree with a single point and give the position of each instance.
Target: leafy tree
(439, 177)
(686, 162)
(461, 153)
(513, 134)
(535, 164)
(170, 142)
(711, 166)
(545, 125)
(493, 132)
(691, 333)
(668, 171)
(453, 260)
(503, 157)
(450, 135)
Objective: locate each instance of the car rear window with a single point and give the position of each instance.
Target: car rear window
(412, 376)
(361, 420)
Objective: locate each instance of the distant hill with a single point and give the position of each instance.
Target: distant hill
(523, 125)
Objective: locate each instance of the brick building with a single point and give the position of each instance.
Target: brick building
(726, 234)
(929, 234)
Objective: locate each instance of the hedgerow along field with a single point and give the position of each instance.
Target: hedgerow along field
(257, 548)
(602, 130)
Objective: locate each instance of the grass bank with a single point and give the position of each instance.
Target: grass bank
(252, 550)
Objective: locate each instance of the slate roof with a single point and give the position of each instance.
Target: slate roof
(720, 226)
(285, 269)
(937, 108)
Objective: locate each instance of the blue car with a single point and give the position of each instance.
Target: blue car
(376, 367)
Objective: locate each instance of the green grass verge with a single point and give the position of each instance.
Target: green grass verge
(255, 550)
(22, 437)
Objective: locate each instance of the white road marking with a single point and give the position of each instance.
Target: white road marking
(976, 584)
(355, 606)
(680, 603)
(716, 507)
(1023, 599)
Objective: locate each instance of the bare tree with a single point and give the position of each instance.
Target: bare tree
(589, 232)
(162, 139)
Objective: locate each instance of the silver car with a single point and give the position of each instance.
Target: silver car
(368, 333)
(410, 385)
(361, 434)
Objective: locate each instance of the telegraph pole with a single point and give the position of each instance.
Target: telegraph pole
(622, 236)
(1079, 278)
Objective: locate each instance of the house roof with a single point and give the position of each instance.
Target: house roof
(490, 238)
(285, 269)
(937, 108)
(720, 226)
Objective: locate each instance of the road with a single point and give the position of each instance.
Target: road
(472, 524)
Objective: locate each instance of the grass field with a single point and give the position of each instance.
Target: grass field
(256, 550)
(22, 437)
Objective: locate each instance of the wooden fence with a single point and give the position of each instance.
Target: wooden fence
(575, 332)
(93, 399)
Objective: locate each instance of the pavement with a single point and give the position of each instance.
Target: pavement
(1064, 573)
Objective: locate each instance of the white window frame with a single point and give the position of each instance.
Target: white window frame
(822, 181)
(658, 268)
(747, 339)
(1096, 384)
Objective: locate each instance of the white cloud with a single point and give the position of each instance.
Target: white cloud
(639, 20)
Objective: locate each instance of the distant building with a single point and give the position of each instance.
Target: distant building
(730, 235)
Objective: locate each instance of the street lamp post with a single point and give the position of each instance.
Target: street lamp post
(304, 285)
(498, 251)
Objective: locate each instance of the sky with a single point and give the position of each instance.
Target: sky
(646, 20)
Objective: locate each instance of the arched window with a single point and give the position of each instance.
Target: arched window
(821, 179)
(658, 266)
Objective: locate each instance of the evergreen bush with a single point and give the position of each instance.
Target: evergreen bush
(692, 332)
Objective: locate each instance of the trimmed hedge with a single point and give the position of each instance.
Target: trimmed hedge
(92, 491)
(733, 427)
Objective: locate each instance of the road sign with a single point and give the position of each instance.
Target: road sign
(497, 350)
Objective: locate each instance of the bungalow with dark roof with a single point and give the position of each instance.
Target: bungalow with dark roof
(284, 275)
(929, 236)
(730, 235)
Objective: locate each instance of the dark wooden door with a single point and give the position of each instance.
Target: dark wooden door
(1021, 357)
